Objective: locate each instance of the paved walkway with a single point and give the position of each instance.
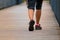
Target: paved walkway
(14, 24)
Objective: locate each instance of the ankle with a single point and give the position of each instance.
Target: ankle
(31, 20)
(37, 24)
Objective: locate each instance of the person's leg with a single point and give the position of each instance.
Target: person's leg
(38, 13)
(38, 16)
(31, 5)
(31, 14)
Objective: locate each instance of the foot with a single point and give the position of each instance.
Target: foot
(38, 27)
(31, 25)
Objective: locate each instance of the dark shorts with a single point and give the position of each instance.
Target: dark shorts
(32, 4)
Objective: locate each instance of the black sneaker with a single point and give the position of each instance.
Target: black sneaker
(31, 25)
(38, 27)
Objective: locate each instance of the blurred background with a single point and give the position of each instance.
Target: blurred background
(14, 21)
(55, 4)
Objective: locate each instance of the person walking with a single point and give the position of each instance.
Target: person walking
(32, 6)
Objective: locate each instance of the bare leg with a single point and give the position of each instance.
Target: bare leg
(38, 16)
(30, 14)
